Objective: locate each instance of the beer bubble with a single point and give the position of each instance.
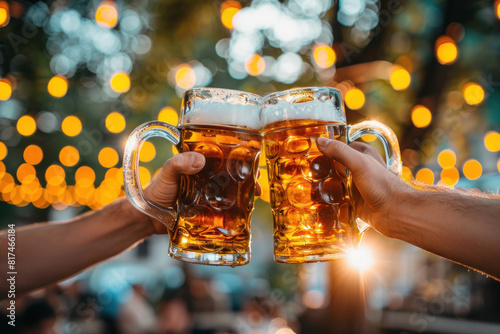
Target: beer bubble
(299, 192)
(213, 156)
(285, 168)
(239, 163)
(297, 144)
(315, 167)
(272, 149)
(277, 194)
(331, 190)
(221, 191)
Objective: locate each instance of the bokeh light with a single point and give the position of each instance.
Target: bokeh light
(3, 150)
(492, 141)
(447, 158)
(4, 14)
(26, 173)
(168, 115)
(120, 82)
(26, 125)
(84, 177)
(106, 14)
(354, 98)
(360, 258)
(421, 116)
(144, 176)
(450, 176)
(446, 50)
(497, 9)
(69, 156)
(473, 93)
(185, 77)
(108, 157)
(255, 65)
(406, 174)
(5, 88)
(324, 56)
(148, 152)
(228, 10)
(400, 78)
(425, 175)
(115, 122)
(368, 138)
(58, 86)
(472, 169)
(54, 175)
(71, 126)
(33, 154)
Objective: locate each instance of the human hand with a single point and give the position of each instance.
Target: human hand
(378, 190)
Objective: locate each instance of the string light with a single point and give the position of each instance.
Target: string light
(69, 156)
(492, 141)
(447, 158)
(421, 116)
(54, 175)
(33, 154)
(228, 10)
(106, 14)
(354, 98)
(446, 50)
(148, 152)
(168, 115)
(473, 93)
(3, 151)
(71, 126)
(472, 169)
(450, 176)
(58, 86)
(85, 177)
(26, 173)
(120, 82)
(26, 125)
(324, 56)
(108, 157)
(425, 175)
(255, 65)
(115, 122)
(400, 78)
(5, 87)
(144, 176)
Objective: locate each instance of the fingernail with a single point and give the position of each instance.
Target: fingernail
(322, 141)
(199, 160)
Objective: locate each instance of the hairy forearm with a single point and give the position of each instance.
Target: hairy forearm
(49, 252)
(460, 227)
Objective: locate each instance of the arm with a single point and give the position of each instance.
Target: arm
(458, 225)
(50, 252)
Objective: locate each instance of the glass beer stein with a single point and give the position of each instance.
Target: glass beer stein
(211, 224)
(310, 195)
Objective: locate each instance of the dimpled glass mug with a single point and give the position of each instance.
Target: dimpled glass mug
(212, 222)
(311, 196)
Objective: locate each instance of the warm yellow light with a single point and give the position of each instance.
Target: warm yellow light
(108, 157)
(406, 174)
(54, 175)
(498, 165)
(360, 258)
(168, 115)
(144, 176)
(425, 175)
(492, 141)
(26, 173)
(324, 56)
(33, 154)
(106, 14)
(472, 169)
(447, 158)
(446, 50)
(71, 126)
(3, 151)
(473, 93)
(58, 86)
(185, 76)
(5, 88)
(174, 150)
(69, 156)
(115, 122)
(421, 116)
(85, 177)
(255, 65)
(2, 173)
(4, 13)
(368, 138)
(400, 78)
(354, 98)
(120, 82)
(264, 185)
(148, 152)
(228, 10)
(450, 176)
(497, 8)
(26, 125)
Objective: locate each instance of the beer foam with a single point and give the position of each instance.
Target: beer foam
(277, 109)
(223, 110)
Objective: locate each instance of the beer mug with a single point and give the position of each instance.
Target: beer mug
(311, 196)
(211, 224)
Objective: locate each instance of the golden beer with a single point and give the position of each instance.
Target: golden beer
(310, 194)
(215, 205)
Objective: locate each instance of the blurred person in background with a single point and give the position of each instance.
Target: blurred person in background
(136, 315)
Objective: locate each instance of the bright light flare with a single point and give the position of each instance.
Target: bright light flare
(400, 78)
(4, 13)
(446, 50)
(255, 65)
(473, 93)
(5, 88)
(360, 258)
(324, 56)
(185, 77)
(354, 98)
(106, 14)
(120, 82)
(228, 10)
(58, 86)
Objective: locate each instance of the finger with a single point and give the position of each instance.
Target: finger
(183, 163)
(354, 161)
(368, 149)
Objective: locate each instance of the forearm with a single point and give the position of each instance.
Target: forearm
(48, 253)
(462, 228)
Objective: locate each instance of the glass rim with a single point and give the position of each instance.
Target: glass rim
(192, 92)
(294, 91)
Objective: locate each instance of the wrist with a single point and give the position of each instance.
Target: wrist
(132, 216)
(404, 199)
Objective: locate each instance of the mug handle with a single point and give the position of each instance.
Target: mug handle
(132, 182)
(391, 148)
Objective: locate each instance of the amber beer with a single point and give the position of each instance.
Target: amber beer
(215, 205)
(310, 194)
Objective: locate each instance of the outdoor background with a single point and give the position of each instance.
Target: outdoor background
(76, 77)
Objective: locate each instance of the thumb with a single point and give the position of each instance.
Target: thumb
(354, 160)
